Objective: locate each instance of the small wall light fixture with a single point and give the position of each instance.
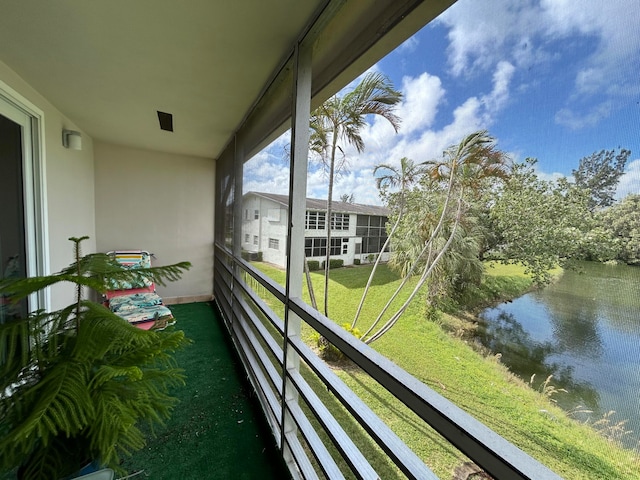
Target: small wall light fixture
(72, 139)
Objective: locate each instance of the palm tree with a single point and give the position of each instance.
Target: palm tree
(472, 161)
(346, 198)
(459, 174)
(341, 119)
(392, 177)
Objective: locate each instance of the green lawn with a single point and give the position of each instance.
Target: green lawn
(479, 385)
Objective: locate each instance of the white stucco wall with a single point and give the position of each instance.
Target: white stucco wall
(69, 174)
(160, 202)
(273, 219)
(250, 226)
(272, 223)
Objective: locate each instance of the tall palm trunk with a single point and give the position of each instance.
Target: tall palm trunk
(429, 267)
(343, 117)
(473, 159)
(312, 295)
(332, 166)
(375, 266)
(427, 247)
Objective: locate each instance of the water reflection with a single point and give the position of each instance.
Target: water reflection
(585, 331)
(501, 333)
(575, 323)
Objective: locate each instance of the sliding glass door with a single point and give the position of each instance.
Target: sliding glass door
(18, 195)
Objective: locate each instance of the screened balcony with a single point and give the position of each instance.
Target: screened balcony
(235, 78)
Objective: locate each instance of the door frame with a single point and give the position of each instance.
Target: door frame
(21, 111)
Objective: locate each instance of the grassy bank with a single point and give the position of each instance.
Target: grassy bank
(479, 385)
(501, 283)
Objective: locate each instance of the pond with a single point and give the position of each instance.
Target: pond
(585, 331)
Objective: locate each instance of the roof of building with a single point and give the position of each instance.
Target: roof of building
(321, 205)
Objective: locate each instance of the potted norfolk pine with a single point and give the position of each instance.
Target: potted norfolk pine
(77, 384)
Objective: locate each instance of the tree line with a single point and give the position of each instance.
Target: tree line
(508, 213)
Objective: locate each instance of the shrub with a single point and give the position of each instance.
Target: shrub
(356, 261)
(334, 263)
(327, 351)
(251, 256)
(313, 265)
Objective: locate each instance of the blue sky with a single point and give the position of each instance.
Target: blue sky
(554, 79)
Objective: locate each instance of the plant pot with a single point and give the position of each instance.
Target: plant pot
(102, 474)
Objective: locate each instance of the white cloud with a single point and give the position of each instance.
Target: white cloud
(564, 17)
(483, 33)
(630, 180)
(360, 184)
(577, 121)
(614, 26)
(317, 184)
(410, 45)
(499, 96)
(589, 80)
(262, 175)
(549, 177)
(422, 95)
(417, 139)
(501, 38)
(268, 170)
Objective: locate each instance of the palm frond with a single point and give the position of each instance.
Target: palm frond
(58, 403)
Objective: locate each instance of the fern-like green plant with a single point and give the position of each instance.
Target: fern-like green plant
(77, 384)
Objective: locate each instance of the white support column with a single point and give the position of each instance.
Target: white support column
(298, 174)
(238, 166)
(301, 106)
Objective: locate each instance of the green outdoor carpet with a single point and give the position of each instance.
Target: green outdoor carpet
(217, 431)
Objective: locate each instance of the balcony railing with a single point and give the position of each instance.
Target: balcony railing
(312, 440)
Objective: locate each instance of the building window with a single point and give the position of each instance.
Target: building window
(315, 220)
(256, 214)
(246, 214)
(274, 243)
(339, 221)
(246, 238)
(336, 246)
(371, 228)
(317, 247)
(255, 239)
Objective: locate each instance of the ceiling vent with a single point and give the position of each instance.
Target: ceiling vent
(166, 121)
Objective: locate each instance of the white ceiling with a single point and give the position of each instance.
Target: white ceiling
(110, 65)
